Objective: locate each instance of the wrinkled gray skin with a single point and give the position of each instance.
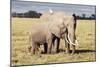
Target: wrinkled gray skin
(65, 22)
(45, 34)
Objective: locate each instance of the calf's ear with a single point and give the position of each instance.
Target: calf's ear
(55, 31)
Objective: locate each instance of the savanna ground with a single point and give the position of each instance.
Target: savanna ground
(85, 51)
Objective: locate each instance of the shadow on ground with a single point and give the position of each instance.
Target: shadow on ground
(84, 51)
(78, 51)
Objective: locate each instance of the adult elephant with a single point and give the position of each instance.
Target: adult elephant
(45, 34)
(65, 21)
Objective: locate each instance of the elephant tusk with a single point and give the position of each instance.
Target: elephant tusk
(70, 42)
(67, 40)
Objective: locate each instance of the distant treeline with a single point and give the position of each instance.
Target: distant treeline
(34, 14)
(29, 14)
(83, 17)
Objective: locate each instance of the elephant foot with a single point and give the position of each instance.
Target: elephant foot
(39, 56)
(67, 51)
(53, 52)
(73, 51)
(33, 52)
(44, 52)
(48, 52)
(57, 51)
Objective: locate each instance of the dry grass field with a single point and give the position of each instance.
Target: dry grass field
(85, 51)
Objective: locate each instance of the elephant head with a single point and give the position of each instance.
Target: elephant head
(70, 38)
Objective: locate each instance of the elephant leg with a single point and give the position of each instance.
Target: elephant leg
(37, 48)
(49, 46)
(54, 43)
(73, 49)
(57, 44)
(67, 47)
(45, 47)
(33, 48)
(73, 38)
(73, 46)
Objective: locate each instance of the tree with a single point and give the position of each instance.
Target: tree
(14, 14)
(93, 16)
(33, 14)
(29, 14)
(83, 16)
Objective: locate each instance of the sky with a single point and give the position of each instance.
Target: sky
(24, 6)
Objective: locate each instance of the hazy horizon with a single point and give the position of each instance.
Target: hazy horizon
(24, 6)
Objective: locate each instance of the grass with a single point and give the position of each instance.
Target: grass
(85, 51)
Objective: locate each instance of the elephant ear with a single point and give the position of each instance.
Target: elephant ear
(55, 30)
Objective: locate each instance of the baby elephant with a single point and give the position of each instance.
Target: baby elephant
(41, 35)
